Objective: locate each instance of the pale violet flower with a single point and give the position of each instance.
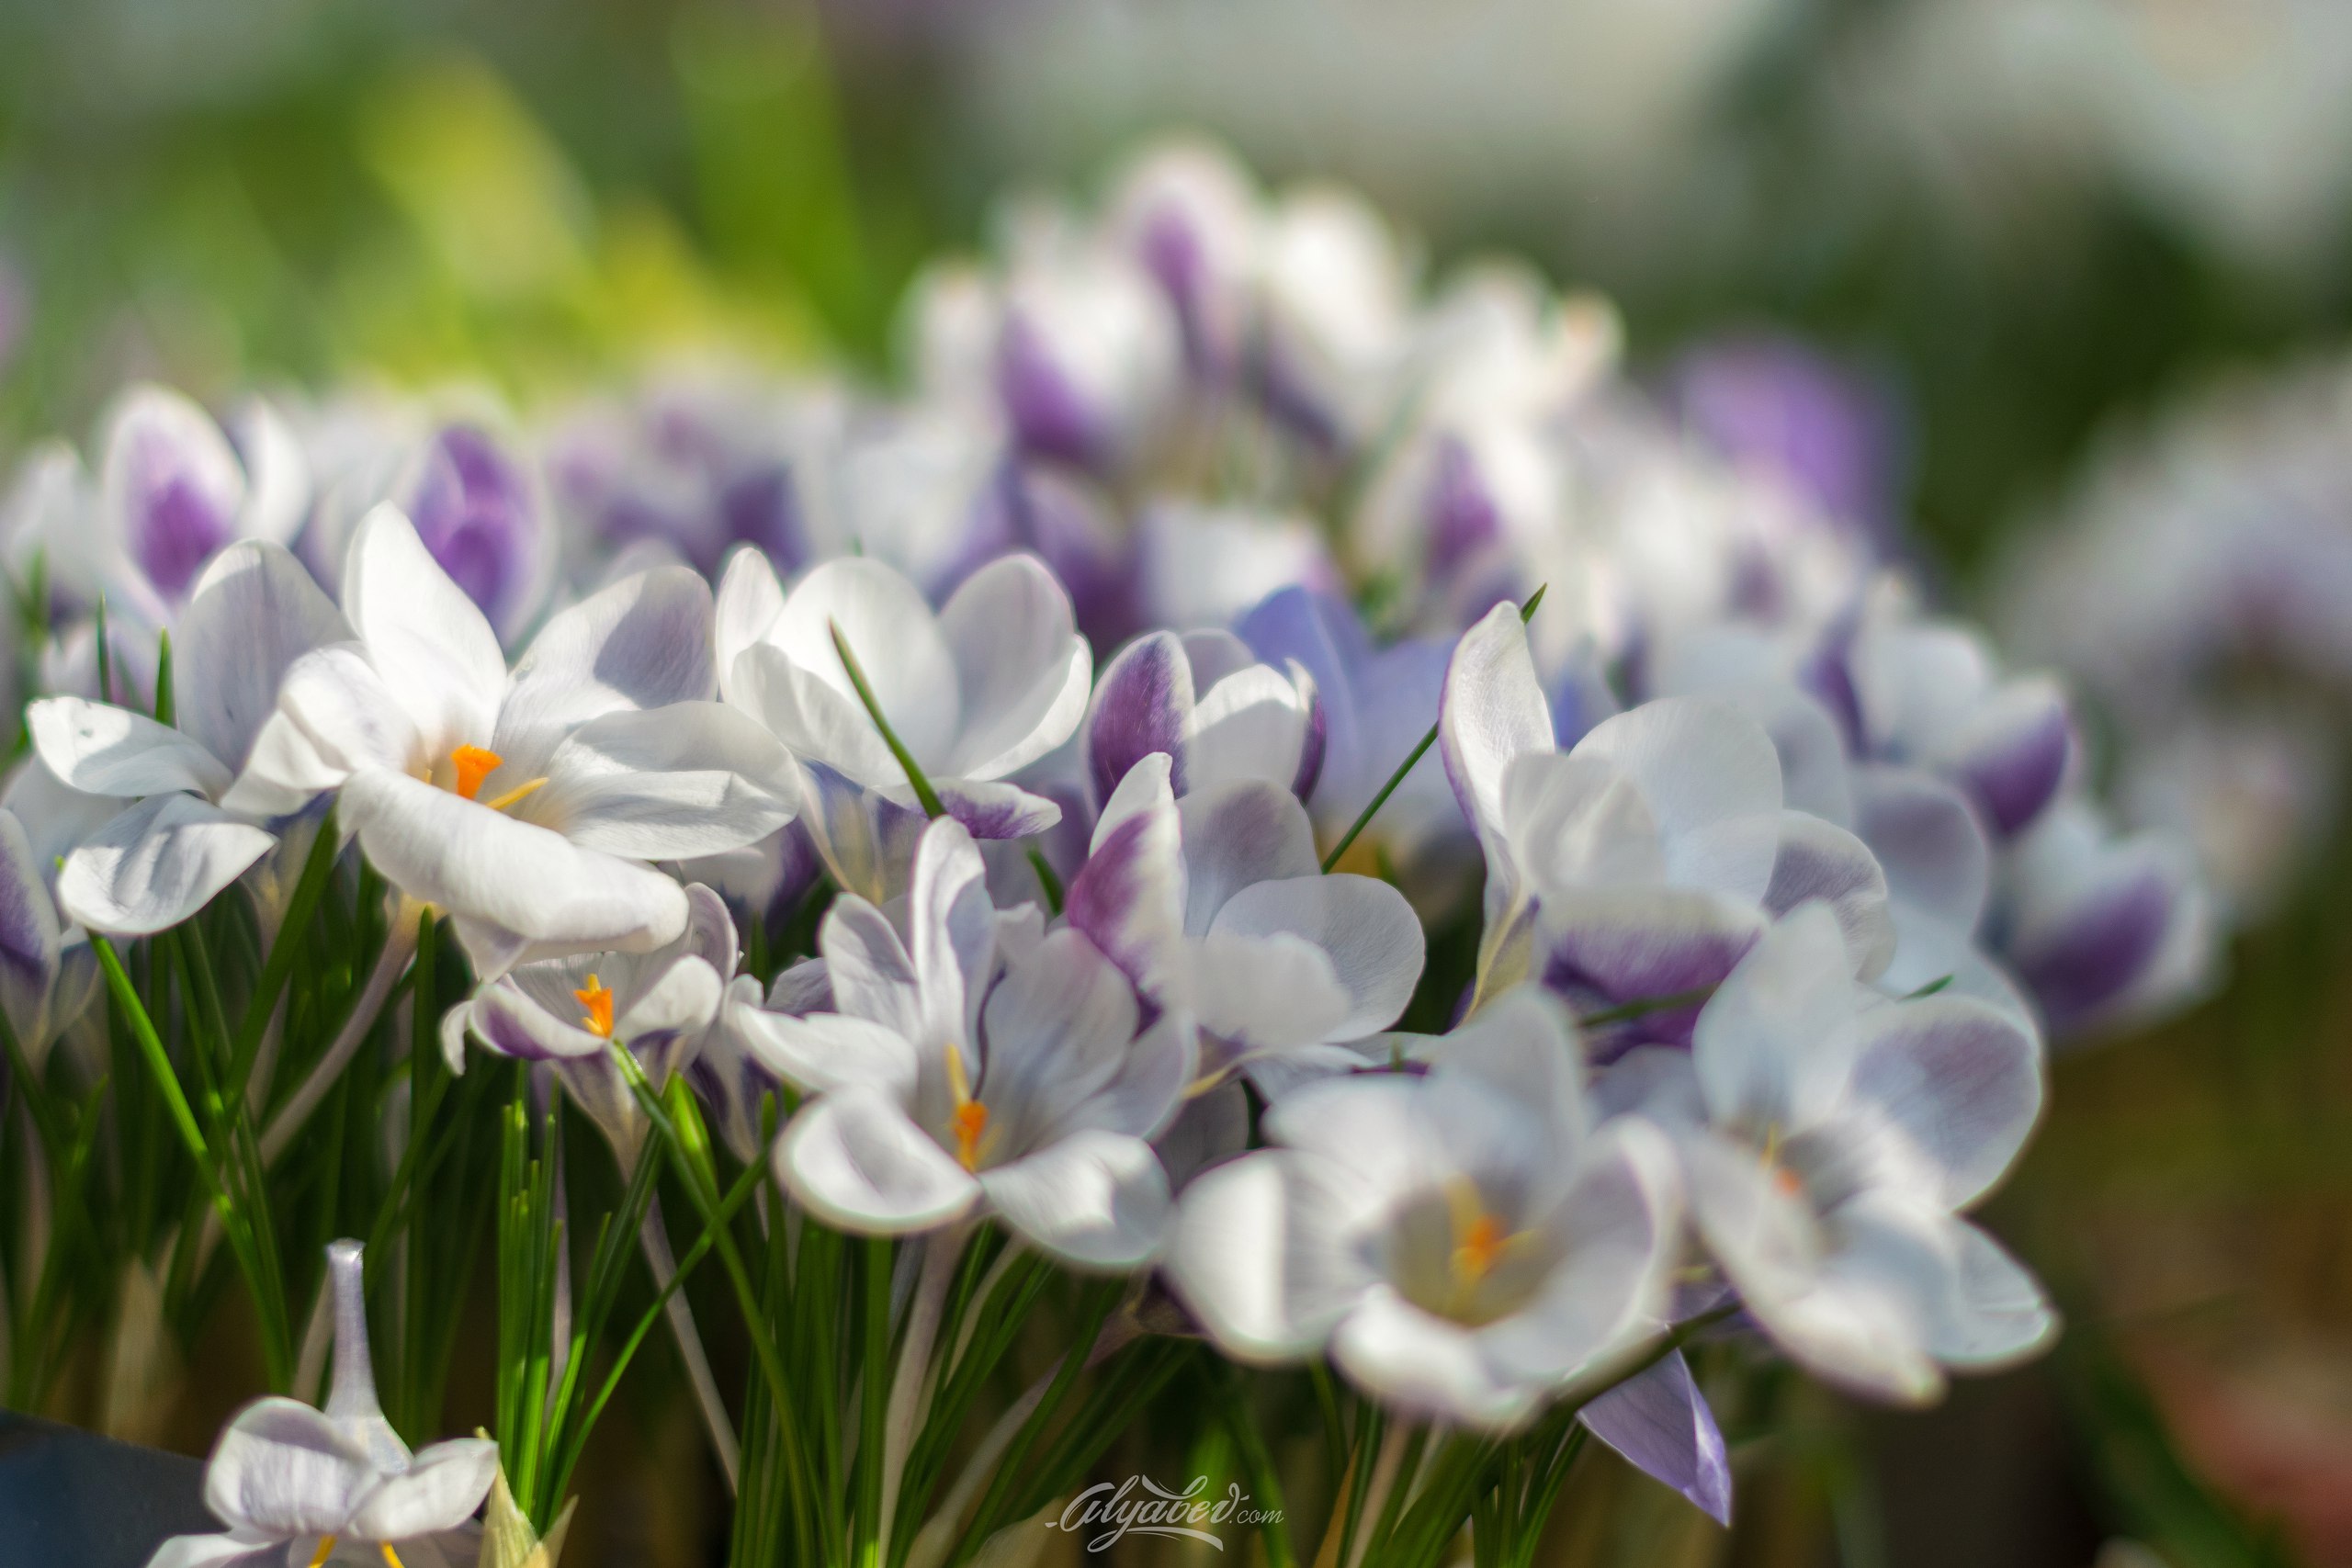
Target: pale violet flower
(990, 683)
(1204, 701)
(1641, 864)
(570, 1012)
(296, 1485)
(524, 805)
(1217, 907)
(1467, 1244)
(193, 795)
(961, 1075)
(48, 974)
(1828, 1138)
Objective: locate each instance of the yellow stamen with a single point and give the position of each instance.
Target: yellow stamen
(1475, 1257)
(325, 1550)
(599, 1003)
(392, 1557)
(970, 1121)
(1787, 1182)
(511, 796)
(474, 763)
(971, 1118)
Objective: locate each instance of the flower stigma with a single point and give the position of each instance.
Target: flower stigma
(474, 763)
(598, 1000)
(969, 1119)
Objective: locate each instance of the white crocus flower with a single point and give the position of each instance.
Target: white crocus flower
(1643, 862)
(1467, 1244)
(524, 805)
(194, 792)
(942, 1089)
(991, 682)
(1828, 1135)
(1217, 907)
(296, 1485)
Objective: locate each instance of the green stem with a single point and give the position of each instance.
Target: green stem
(856, 672)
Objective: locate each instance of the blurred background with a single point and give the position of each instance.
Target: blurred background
(2055, 288)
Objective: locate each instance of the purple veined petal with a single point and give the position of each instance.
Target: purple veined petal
(253, 613)
(1927, 837)
(480, 513)
(2017, 753)
(1248, 831)
(1659, 1421)
(1959, 1080)
(1128, 899)
(1820, 861)
(1608, 947)
(865, 840)
(1143, 704)
(2109, 938)
(170, 484)
(997, 811)
(1052, 416)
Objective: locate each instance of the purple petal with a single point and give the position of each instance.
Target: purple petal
(473, 507)
(2101, 949)
(1607, 948)
(1128, 897)
(1461, 514)
(992, 810)
(1067, 523)
(1049, 414)
(1659, 1421)
(1313, 744)
(1142, 705)
(2017, 772)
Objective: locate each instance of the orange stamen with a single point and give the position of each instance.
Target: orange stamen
(474, 763)
(599, 1003)
(1476, 1255)
(392, 1557)
(325, 1550)
(971, 1119)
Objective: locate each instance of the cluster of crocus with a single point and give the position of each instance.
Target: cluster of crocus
(2197, 583)
(998, 828)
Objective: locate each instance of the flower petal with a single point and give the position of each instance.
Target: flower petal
(1253, 724)
(1096, 1199)
(254, 612)
(430, 644)
(890, 629)
(30, 941)
(993, 810)
(642, 643)
(1821, 862)
(156, 864)
(103, 750)
(1659, 1421)
(1024, 670)
(1492, 712)
(1143, 704)
(281, 1469)
(1366, 927)
(1236, 834)
(1772, 1045)
(1961, 1080)
(855, 1161)
(524, 880)
(667, 784)
(1711, 777)
(749, 601)
(443, 1485)
(1260, 1254)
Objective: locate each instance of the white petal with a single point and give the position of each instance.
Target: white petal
(826, 1050)
(680, 1003)
(1266, 994)
(750, 599)
(1259, 1254)
(1960, 1079)
(1524, 1045)
(254, 612)
(103, 750)
(1574, 821)
(1025, 672)
(1250, 724)
(282, 1469)
(514, 1024)
(1237, 834)
(431, 643)
(335, 715)
(952, 931)
(156, 864)
(1820, 861)
(1772, 1045)
(668, 784)
(511, 876)
(237, 1551)
(642, 643)
(1095, 1199)
(818, 722)
(1711, 777)
(856, 1162)
(1493, 712)
(896, 640)
(1364, 926)
(1430, 1367)
(443, 1485)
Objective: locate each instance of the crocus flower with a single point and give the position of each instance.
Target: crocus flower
(296, 1484)
(524, 805)
(1207, 703)
(1828, 1138)
(48, 975)
(942, 1089)
(570, 1012)
(1468, 1243)
(1217, 907)
(194, 792)
(1642, 863)
(992, 681)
